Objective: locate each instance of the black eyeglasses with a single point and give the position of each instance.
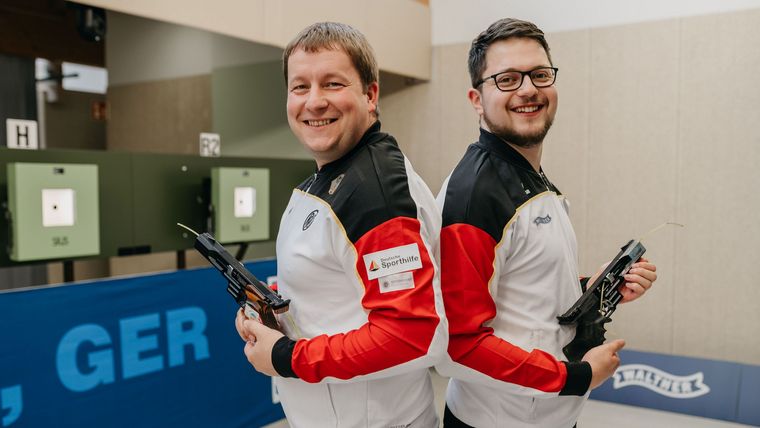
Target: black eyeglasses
(507, 81)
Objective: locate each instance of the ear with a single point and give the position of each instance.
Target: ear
(373, 92)
(476, 100)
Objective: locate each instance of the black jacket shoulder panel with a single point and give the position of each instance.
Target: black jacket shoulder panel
(489, 185)
(368, 186)
(476, 195)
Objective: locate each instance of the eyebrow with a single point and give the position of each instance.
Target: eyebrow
(334, 75)
(327, 76)
(516, 69)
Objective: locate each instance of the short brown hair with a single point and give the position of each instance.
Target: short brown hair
(502, 29)
(334, 36)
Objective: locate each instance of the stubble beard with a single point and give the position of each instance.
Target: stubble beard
(521, 140)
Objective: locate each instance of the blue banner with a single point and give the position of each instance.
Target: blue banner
(749, 396)
(148, 351)
(695, 386)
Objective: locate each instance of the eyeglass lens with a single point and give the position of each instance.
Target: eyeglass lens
(511, 80)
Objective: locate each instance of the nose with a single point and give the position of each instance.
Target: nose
(316, 99)
(527, 88)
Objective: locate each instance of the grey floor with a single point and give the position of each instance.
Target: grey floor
(601, 414)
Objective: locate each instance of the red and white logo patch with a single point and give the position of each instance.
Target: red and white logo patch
(394, 260)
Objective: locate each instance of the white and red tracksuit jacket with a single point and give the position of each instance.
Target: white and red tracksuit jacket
(356, 254)
(509, 266)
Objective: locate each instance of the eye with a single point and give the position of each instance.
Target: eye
(299, 89)
(507, 79)
(542, 75)
(334, 85)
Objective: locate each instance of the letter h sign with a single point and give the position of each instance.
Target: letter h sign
(21, 134)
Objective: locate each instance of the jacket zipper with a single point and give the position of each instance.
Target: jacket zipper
(543, 178)
(313, 180)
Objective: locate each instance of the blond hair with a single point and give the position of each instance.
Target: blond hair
(336, 36)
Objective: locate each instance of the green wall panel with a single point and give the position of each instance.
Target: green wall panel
(240, 201)
(53, 210)
(142, 196)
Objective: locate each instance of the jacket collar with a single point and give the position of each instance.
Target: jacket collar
(371, 135)
(502, 149)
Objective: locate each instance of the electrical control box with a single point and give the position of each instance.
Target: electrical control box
(240, 204)
(52, 211)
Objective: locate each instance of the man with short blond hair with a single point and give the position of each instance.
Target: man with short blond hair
(356, 254)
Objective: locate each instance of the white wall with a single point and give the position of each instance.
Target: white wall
(457, 21)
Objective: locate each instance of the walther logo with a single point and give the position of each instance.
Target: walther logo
(663, 383)
(393, 260)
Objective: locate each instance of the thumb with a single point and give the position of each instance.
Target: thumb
(252, 326)
(617, 345)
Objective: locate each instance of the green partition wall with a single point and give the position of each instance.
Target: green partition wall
(141, 197)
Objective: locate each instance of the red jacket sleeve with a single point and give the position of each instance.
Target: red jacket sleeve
(401, 324)
(467, 267)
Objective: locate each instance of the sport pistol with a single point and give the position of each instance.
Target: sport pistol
(598, 302)
(255, 297)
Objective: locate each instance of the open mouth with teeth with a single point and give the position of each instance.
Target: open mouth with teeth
(318, 123)
(527, 109)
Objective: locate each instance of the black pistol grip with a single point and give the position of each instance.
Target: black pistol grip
(587, 335)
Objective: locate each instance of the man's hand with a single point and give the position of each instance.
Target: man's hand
(260, 340)
(239, 326)
(604, 361)
(638, 280)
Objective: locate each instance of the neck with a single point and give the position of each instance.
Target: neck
(323, 159)
(532, 154)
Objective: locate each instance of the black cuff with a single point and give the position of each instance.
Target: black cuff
(584, 283)
(282, 355)
(578, 378)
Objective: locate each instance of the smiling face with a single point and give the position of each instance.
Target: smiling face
(523, 116)
(328, 110)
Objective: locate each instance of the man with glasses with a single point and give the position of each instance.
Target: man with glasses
(509, 255)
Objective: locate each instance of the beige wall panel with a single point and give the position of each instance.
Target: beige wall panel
(238, 18)
(457, 121)
(632, 153)
(716, 315)
(565, 155)
(408, 112)
(433, 121)
(283, 19)
(159, 117)
(399, 31)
